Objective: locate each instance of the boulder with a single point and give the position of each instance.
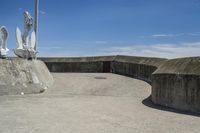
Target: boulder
(21, 76)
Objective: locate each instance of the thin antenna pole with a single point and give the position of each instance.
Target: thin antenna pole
(36, 22)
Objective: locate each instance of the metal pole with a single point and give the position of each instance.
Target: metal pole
(36, 22)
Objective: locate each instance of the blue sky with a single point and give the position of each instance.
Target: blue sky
(158, 28)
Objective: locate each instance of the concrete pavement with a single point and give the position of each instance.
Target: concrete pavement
(91, 103)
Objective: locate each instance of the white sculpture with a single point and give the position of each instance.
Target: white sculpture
(3, 42)
(26, 48)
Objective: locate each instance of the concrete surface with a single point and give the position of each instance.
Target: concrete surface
(21, 76)
(91, 103)
(176, 83)
(186, 66)
(137, 67)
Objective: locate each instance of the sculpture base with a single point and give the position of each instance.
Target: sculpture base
(20, 76)
(25, 53)
(3, 53)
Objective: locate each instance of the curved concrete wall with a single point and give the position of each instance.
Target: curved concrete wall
(137, 67)
(175, 83)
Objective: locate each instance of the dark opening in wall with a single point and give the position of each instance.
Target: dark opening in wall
(106, 66)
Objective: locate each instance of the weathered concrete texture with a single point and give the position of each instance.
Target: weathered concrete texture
(139, 71)
(149, 61)
(190, 66)
(77, 59)
(81, 103)
(176, 84)
(75, 66)
(137, 67)
(20, 76)
(79, 64)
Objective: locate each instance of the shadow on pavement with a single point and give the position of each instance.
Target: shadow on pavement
(149, 103)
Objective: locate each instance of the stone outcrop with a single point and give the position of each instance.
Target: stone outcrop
(21, 76)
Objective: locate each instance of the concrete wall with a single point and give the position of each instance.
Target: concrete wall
(176, 84)
(137, 67)
(75, 66)
(139, 71)
(82, 64)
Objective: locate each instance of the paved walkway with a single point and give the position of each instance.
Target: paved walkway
(91, 103)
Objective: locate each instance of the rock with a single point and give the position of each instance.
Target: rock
(21, 75)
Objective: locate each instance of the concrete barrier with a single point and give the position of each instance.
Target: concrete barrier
(23, 74)
(81, 64)
(137, 67)
(176, 84)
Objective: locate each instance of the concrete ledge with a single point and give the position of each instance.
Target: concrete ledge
(19, 76)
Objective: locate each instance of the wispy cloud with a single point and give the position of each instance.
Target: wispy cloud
(50, 48)
(19, 9)
(42, 12)
(162, 35)
(176, 35)
(101, 42)
(162, 50)
(156, 50)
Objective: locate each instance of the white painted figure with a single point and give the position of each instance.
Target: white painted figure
(28, 23)
(3, 42)
(25, 46)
